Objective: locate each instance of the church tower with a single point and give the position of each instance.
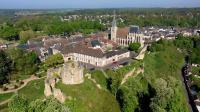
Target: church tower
(114, 29)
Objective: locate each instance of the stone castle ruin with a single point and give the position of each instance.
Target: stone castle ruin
(70, 73)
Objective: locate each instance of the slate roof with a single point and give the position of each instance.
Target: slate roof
(134, 29)
(95, 43)
(113, 53)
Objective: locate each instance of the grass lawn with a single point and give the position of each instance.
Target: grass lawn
(3, 97)
(33, 90)
(164, 63)
(4, 108)
(88, 98)
(6, 96)
(99, 78)
(19, 77)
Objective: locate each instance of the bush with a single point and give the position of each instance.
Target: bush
(53, 61)
(134, 47)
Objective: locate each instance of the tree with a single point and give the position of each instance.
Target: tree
(8, 32)
(163, 96)
(18, 104)
(48, 105)
(24, 62)
(5, 67)
(54, 60)
(26, 35)
(134, 47)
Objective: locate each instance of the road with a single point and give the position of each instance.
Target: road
(188, 94)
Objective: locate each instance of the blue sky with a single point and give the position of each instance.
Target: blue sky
(42, 4)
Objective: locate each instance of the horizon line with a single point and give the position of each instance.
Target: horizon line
(99, 8)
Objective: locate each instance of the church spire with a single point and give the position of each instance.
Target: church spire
(114, 23)
(114, 29)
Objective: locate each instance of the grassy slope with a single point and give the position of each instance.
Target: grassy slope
(121, 72)
(4, 97)
(162, 64)
(99, 78)
(33, 90)
(166, 63)
(4, 108)
(88, 98)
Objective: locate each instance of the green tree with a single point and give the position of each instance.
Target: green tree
(5, 67)
(18, 104)
(24, 62)
(48, 105)
(134, 47)
(53, 60)
(8, 32)
(26, 35)
(163, 95)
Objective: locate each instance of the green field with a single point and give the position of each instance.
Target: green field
(33, 90)
(88, 98)
(4, 108)
(6, 96)
(99, 78)
(3, 97)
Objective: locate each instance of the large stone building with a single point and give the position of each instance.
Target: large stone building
(94, 52)
(125, 36)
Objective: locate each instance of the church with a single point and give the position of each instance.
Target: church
(125, 36)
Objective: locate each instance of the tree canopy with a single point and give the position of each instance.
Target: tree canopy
(134, 46)
(24, 62)
(5, 67)
(53, 60)
(20, 104)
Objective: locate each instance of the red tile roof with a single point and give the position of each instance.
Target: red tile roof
(122, 32)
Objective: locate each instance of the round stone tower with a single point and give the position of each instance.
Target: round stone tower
(72, 73)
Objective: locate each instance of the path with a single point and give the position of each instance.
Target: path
(94, 81)
(104, 73)
(26, 81)
(131, 73)
(142, 53)
(6, 101)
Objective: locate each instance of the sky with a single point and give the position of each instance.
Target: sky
(53, 4)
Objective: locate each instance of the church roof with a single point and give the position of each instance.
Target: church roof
(122, 32)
